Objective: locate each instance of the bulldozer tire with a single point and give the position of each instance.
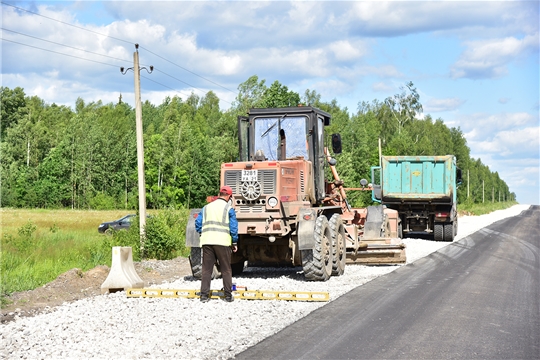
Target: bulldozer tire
(237, 268)
(449, 232)
(195, 260)
(438, 231)
(317, 262)
(339, 252)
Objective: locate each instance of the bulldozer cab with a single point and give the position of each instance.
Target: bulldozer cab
(280, 134)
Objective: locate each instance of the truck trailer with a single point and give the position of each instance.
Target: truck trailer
(423, 190)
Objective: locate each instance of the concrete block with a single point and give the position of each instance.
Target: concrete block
(122, 275)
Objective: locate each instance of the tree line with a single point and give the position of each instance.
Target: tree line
(85, 158)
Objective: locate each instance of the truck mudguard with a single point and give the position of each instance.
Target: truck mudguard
(192, 236)
(307, 217)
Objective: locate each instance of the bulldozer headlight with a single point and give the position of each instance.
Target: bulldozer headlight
(272, 202)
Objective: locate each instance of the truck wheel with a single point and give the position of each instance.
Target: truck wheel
(317, 262)
(438, 231)
(339, 251)
(449, 232)
(195, 260)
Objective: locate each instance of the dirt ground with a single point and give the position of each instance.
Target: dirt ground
(75, 285)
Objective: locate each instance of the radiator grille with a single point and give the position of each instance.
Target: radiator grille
(302, 182)
(254, 209)
(267, 179)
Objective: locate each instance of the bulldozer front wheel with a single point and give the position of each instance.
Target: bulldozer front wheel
(237, 268)
(195, 260)
(317, 262)
(339, 252)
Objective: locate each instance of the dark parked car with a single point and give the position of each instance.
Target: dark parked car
(123, 223)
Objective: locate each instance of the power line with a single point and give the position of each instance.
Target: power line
(175, 89)
(65, 23)
(59, 53)
(112, 37)
(99, 62)
(189, 71)
(157, 70)
(52, 42)
(165, 86)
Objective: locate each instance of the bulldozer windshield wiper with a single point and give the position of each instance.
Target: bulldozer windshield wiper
(273, 126)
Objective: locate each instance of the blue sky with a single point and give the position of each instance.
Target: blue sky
(474, 63)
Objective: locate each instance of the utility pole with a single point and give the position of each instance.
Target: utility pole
(483, 191)
(468, 182)
(140, 144)
(380, 152)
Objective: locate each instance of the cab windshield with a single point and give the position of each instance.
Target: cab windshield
(266, 131)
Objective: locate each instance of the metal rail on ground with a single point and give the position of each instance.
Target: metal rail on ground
(238, 294)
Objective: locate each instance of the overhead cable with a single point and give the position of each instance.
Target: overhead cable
(223, 87)
(52, 42)
(59, 53)
(115, 38)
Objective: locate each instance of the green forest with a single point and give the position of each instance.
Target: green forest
(85, 158)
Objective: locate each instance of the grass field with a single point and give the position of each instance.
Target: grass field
(38, 245)
(82, 222)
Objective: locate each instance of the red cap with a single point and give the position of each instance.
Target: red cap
(225, 190)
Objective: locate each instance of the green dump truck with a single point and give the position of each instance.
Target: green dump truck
(423, 190)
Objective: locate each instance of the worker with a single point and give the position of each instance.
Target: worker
(218, 227)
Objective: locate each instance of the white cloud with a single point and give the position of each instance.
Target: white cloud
(440, 105)
(384, 87)
(521, 174)
(511, 143)
(344, 50)
(332, 88)
(398, 18)
(489, 58)
(485, 124)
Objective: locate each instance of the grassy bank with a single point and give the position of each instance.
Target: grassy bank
(38, 245)
(485, 208)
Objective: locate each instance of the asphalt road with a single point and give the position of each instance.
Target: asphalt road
(477, 298)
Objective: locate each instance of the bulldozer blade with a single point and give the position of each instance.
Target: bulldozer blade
(377, 251)
(377, 257)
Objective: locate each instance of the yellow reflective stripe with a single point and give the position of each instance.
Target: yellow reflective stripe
(206, 229)
(218, 223)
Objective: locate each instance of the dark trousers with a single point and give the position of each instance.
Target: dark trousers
(209, 255)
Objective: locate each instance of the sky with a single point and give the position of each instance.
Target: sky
(475, 64)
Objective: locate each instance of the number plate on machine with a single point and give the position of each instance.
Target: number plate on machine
(249, 175)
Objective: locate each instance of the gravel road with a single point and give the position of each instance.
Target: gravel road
(115, 326)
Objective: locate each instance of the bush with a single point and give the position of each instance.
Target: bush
(165, 237)
(102, 202)
(128, 237)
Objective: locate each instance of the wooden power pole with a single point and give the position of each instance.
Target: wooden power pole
(140, 145)
(140, 148)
